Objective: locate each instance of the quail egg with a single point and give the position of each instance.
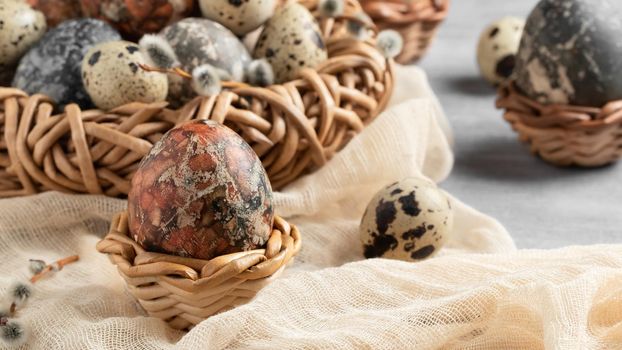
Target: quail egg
(409, 220)
(20, 28)
(112, 76)
(291, 40)
(497, 48)
(241, 16)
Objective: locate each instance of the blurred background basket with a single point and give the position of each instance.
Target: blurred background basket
(565, 135)
(416, 20)
(185, 291)
(295, 128)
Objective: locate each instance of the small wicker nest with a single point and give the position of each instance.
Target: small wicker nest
(185, 291)
(295, 128)
(416, 20)
(565, 135)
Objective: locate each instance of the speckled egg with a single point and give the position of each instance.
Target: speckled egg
(52, 66)
(133, 18)
(201, 192)
(240, 16)
(112, 76)
(198, 41)
(57, 11)
(291, 40)
(20, 28)
(408, 220)
(571, 53)
(496, 51)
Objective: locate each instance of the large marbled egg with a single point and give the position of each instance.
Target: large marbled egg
(571, 52)
(201, 192)
(240, 16)
(408, 220)
(52, 66)
(20, 28)
(112, 76)
(57, 11)
(198, 41)
(133, 18)
(291, 40)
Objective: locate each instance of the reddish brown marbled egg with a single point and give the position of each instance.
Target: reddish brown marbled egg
(133, 18)
(57, 11)
(201, 192)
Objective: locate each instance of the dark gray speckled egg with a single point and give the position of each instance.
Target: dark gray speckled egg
(112, 76)
(571, 52)
(198, 41)
(291, 40)
(409, 220)
(52, 66)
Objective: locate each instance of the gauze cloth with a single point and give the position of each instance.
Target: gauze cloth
(478, 293)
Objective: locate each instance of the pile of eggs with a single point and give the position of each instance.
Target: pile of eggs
(202, 191)
(92, 54)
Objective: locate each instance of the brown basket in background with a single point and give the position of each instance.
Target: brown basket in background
(565, 135)
(185, 291)
(416, 20)
(295, 128)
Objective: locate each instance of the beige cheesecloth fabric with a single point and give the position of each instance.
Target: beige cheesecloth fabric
(480, 293)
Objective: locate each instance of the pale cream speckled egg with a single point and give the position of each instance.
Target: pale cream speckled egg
(409, 220)
(112, 76)
(20, 28)
(240, 16)
(291, 40)
(497, 48)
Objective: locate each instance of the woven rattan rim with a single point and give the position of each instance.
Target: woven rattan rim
(417, 21)
(295, 128)
(185, 291)
(563, 134)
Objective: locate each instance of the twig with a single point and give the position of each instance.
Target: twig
(56, 266)
(182, 73)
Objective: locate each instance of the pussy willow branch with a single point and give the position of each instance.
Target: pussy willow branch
(55, 266)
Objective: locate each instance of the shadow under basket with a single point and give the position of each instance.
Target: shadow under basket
(417, 22)
(185, 291)
(295, 128)
(565, 135)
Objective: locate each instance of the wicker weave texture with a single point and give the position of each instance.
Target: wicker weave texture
(417, 21)
(295, 128)
(185, 291)
(565, 135)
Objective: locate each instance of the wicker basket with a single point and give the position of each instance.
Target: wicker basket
(186, 291)
(565, 135)
(295, 128)
(416, 20)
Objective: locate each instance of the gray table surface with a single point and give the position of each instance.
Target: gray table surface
(541, 206)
